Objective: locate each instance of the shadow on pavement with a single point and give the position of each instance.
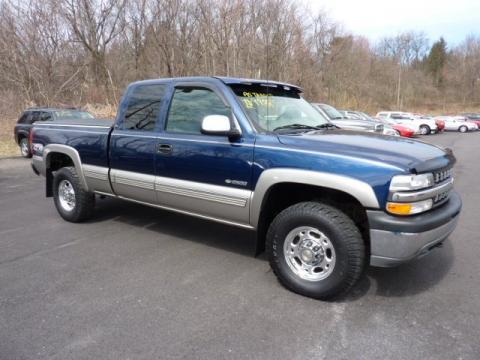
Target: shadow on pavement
(176, 225)
(405, 280)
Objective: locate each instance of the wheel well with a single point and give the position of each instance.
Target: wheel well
(55, 161)
(283, 195)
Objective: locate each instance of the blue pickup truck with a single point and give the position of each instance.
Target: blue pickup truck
(324, 202)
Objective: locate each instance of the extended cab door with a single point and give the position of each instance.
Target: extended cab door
(208, 175)
(134, 141)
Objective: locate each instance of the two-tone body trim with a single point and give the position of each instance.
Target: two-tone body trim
(95, 172)
(220, 194)
(97, 178)
(119, 179)
(219, 203)
(360, 190)
(189, 213)
(71, 153)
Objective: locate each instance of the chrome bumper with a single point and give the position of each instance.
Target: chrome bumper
(395, 240)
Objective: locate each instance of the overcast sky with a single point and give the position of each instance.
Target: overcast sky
(452, 19)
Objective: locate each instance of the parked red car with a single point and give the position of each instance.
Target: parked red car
(473, 117)
(475, 121)
(403, 130)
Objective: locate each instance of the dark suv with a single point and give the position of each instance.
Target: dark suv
(30, 116)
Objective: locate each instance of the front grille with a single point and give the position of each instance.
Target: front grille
(442, 175)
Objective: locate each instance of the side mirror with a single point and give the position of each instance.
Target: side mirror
(219, 125)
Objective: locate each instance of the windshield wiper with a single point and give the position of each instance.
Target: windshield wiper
(326, 126)
(297, 126)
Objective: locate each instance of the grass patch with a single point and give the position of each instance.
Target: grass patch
(8, 147)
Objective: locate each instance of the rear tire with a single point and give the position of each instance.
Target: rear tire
(398, 133)
(73, 203)
(315, 250)
(25, 148)
(425, 130)
(463, 129)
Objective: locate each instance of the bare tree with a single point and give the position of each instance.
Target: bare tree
(95, 24)
(77, 51)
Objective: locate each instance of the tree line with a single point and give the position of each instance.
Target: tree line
(73, 52)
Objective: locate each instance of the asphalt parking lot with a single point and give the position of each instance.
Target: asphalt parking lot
(140, 283)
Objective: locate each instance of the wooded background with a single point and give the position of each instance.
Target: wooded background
(77, 52)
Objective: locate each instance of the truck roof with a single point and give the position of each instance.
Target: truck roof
(225, 80)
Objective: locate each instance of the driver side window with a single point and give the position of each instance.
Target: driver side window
(189, 107)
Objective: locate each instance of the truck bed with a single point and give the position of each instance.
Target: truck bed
(80, 122)
(89, 137)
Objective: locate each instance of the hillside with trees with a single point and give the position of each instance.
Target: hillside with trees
(77, 52)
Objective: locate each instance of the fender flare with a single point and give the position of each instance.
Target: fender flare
(70, 152)
(360, 190)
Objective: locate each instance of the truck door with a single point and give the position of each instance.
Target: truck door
(208, 175)
(133, 143)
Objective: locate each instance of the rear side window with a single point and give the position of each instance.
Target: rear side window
(45, 116)
(23, 119)
(189, 107)
(36, 116)
(143, 107)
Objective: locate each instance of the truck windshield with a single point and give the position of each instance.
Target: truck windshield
(276, 108)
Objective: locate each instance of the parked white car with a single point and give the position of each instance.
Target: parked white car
(425, 126)
(358, 115)
(457, 123)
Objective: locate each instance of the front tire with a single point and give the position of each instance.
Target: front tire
(73, 203)
(463, 129)
(25, 148)
(315, 250)
(425, 130)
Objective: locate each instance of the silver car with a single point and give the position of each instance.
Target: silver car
(358, 115)
(343, 122)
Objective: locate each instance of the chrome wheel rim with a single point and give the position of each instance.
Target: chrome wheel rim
(309, 253)
(66, 195)
(423, 130)
(24, 147)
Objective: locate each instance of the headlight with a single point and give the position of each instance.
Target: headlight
(409, 208)
(411, 182)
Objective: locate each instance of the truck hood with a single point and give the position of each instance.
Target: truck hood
(406, 154)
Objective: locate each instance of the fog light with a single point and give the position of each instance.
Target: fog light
(409, 208)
